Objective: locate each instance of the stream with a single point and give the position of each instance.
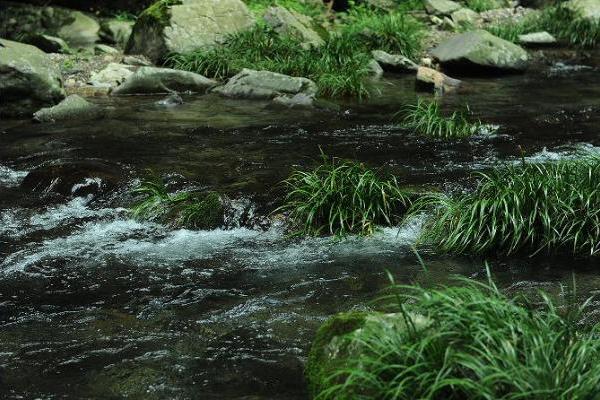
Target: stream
(95, 304)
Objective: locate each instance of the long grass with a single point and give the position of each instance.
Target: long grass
(200, 210)
(477, 344)
(521, 209)
(483, 5)
(341, 197)
(425, 118)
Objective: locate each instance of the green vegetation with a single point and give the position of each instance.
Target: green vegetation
(339, 67)
(312, 9)
(462, 343)
(341, 197)
(124, 16)
(201, 210)
(530, 208)
(425, 118)
(482, 5)
(159, 11)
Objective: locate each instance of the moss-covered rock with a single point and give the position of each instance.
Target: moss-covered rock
(181, 26)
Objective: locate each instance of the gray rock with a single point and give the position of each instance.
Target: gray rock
(47, 43)
(393, 62)
(375, 70)
(83, 30)
(112, 75)
(430, 79)
(300, 100)
(537, 39)
(291, 23)
(481, 50)
(137, 60)
(148, 80)
(253, 84)
(588, 9)
(441, 7)
(105, 49)
(73, 107)
(172, 100)
(190, 25)
(28, 79)
(116, 31)
(465, 17)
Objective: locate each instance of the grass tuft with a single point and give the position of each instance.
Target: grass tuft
(477, 344)
(531, 208)
(199, 210)
(425, 117)
(482, 5)
(341, 197)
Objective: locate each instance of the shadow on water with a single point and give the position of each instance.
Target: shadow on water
(96, 305)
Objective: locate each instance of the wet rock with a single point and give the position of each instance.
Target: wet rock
(480, 51)
(587, 9)
(291, 23)
(172, 100)
(112, 76)
(116, 31)
(186, 25)
(267, 85)
(82, 30)
(375, 70)
(74, 107)
(537, 39)
(105, 49)
(74, 178)
(28, 80)
(47, 43)
(430, 79)
(393, 62)
(299, 100)
(465, 17)
(148, 80)
(441, 7)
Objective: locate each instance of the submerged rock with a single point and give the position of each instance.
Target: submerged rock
(172, 100)
(28, 79)
(186, 25)
(441, 7)
(267, 85)
(300, 100)
(72, 108)
(393, 62)
(291, 23)
(537, 39)
(482, 51)
(116, 31)
(148, 80)
(430, 79)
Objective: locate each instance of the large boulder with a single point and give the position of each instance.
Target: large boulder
(480, 51)
(150, 80)
(74, 107)
(170, 26)
(588, 9)
(441, 7)
(266, 85)
(291, 23)
(80, 30)
(28, 79)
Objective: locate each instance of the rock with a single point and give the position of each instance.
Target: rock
(291, 23)
(137, 60)
(172, 100)
(148, 80)
(83, 30)
(47, 43)
(465, 17)
(28, 80)
(441, 7)
(105, 49)
(537, 39)
(480, 50)
(116, 31)
(393, 62)
(375, 70)
(186, 26)
(73, 107)
(112, 75)
(428, 78)
(448, 24)
(253, 84)
(587, 9)
(300, 100)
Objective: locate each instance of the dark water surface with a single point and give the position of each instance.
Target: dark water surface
(94, 304)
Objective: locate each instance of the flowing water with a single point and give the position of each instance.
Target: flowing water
(94, 304)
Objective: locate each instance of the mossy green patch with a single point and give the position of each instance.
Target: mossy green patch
(158, 12)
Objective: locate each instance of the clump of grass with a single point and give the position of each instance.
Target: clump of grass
(425, 117)
(531, 208)
(478, 344)
(341, 197)
(200, 210)
(482, 5)
(312, 9)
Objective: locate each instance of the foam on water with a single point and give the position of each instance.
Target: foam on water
(10, 177)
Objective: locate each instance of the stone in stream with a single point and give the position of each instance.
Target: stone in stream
(149, 80)
(293, 24)
(172, 100)
(480, 51)
(428, 78)
(47, 43)
(116, 31)
(28, 79)
(251, 84)
(112, 75)
(393, 62)
(186, 25)
(441, 7)
(537, 39)
(300, 100)
(587, 9)
(375, 70)
(74, 107)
